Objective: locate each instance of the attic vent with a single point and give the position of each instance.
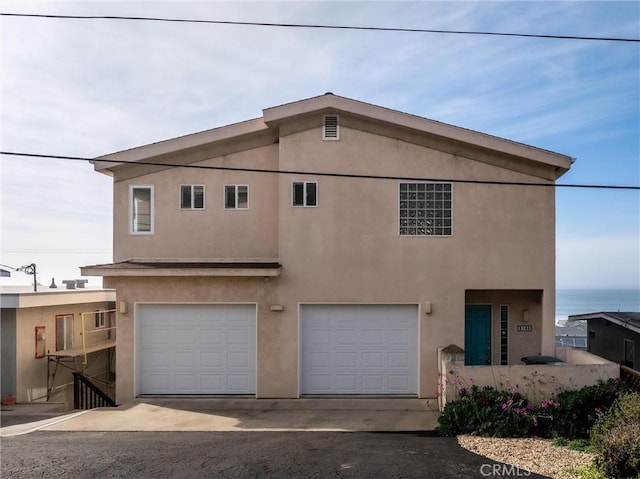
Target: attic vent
(331, 128)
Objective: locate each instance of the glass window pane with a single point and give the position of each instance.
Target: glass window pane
(425, 209)
(198, 196)
(230, 196)
(141, 220)
(312, 199)
(243, 197)
(185, 196)
(298, 194)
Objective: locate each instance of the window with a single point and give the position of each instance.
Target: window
(331, 127)
(628, 353)
(425, 209)
(305, 193)
(64, 332)
(141, 214)
(100, 319)
(504, 334)
(192, 197)
(236, 197)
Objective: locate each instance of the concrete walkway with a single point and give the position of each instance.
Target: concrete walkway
(216, 414)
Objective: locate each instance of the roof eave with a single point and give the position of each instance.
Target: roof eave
(105, 163)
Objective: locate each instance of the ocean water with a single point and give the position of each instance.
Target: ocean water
(580, 301)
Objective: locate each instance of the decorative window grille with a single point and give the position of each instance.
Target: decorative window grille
(192, 197)
(331, 127)
(426, 209)
(236, 197)
(305, 193)
(504, 334)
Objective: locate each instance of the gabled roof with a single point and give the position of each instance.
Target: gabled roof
(265, 130)
(629, 320)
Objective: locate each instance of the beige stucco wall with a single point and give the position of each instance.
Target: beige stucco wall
(212, 232)
(535, 382)
(348, 248)
(31, 372)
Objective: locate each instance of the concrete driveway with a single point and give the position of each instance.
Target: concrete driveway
(232, 414)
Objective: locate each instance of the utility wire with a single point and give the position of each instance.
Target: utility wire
(317, 26)
(318, 173)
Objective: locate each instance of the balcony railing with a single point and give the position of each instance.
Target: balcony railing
(87, 395)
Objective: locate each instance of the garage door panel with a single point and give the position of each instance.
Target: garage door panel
(160, 382)
(398, 336)
(211, 359)
(158, 337)
(186, 359)
(186, 337)
(199, 349)
(346, 360)
(347, 382)
(186, 382)
(359, 349)
(372, 383)
(398, 360)
(372, 360)
(238, 336)
(398, 382)
(238, 360)
(155, 360)
(373, 336)
(320, 360)
(347, 337)
(208, 336)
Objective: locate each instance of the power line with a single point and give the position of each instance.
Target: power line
(319, 173)
(318, 26)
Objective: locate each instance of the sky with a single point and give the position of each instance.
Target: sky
(91, 87)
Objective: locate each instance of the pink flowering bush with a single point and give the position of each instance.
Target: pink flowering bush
(507, 413)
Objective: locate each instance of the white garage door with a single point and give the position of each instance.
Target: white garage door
(359, 349)
(195, 349)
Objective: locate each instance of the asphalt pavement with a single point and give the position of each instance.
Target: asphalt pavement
(282, 454)
(238, 438)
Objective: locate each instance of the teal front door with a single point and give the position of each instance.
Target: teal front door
(477, 334)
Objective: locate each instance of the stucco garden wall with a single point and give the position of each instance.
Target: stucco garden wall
(536, 382)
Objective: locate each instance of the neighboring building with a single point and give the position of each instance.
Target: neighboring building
(572, 334)
(42, 342)
(613, 336)
(370, 238)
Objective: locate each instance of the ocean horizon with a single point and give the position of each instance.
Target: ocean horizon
(582, 301)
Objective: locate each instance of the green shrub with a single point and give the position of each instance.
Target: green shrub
(486, 412)
(592, 471)
(578, 410)
(560, 441)
(489, 412)
(616, 437)
(582, 445)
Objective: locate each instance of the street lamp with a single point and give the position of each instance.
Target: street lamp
(30, 269)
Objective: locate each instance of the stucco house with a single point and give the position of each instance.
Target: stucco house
(329, 247)
(50, 333)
